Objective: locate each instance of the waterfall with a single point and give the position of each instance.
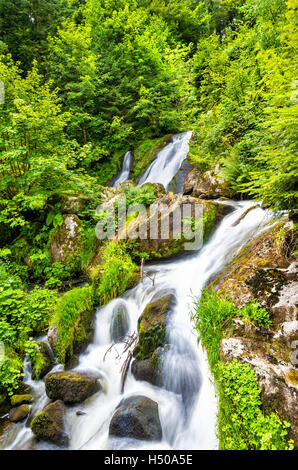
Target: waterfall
(126, 166)
(168, 161)
(187, 404)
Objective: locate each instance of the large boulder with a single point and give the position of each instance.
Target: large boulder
(66, 242)
(43, 362)
(48, 425)
(70, 387)
(208, 185)
(152, 326)
(137, 418)
(119, 322)
(159, 232)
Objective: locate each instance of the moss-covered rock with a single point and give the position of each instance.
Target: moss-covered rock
(119, 322)
(70, 387)
(149, 370)
(152, 327)
(73, 204)
(48, 425)
(17, 400)
(67, 242)
(5, 404)
(164, 239)
(208, 185)
(42, 363)
(19, 413)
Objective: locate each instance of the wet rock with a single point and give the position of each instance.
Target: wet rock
(48, 425)
(72, 362)
(137, 418)
(19, 413)
(149, 370)
(152, 326)
(66, 242)
(5, 404)
(42, 362)
(119, 322)
(80, 413)
(70, 387)
(52, 336)
(17, 400)
(208, 185)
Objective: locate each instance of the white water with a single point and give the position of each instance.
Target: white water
(188, 407)
(168, 161)
(126, 166)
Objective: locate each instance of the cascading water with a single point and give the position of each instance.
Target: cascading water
(168, 161)
(126, 166)
(187, 404)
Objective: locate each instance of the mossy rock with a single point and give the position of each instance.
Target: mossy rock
(5, 404)
(19, 413)
(152, 327)
(149, 370)
(70, 387)
(17, 400)
(48, 425)
(42, 362)
(66, 243)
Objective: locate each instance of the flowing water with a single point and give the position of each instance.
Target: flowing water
(168, 161)
(187, 403)
(125, 172)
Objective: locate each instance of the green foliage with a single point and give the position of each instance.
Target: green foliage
(67, 317)
(144, 195)
(117, 271)
(242, 424)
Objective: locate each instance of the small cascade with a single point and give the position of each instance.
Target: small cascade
(168, 161)
(125, 172)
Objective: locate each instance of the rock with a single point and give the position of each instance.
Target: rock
(149, 370)
(266, 270)
(52, 336)
(72, 362)
(70, 387)
(42, 362)
(17, 400)
(119, 322)
(48, 425)
(177, 183)
(74, 204)
(22, 389)
(66, 242)
(5, 404)
(137, 418)
(158, 230)
(152, 326)
(208, 185)
(19, 413)
(80, 413)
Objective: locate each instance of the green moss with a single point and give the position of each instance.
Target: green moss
(17, 400)
(73, 319)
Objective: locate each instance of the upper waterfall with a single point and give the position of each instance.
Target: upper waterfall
(126, 166)
(168, 161)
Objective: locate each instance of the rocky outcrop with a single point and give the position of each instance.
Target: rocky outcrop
(137, 418)
(43, 362)
(158, 230)
(70, 387)
(119, 322)
(208, 185)
(66, 242)
(18, 413)
(152, 327)
(48, 425)
(266, 270)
